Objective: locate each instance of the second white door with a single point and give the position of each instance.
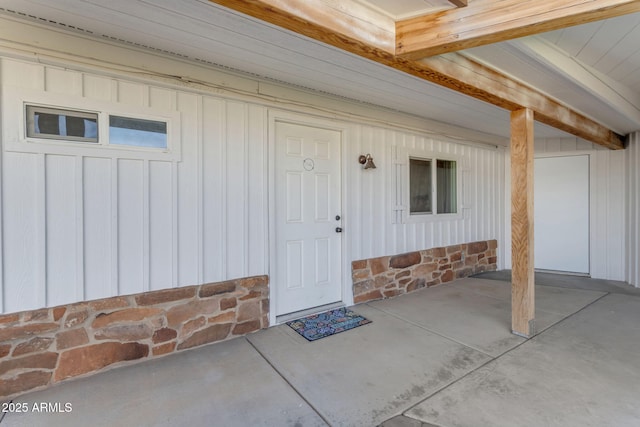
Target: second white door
(561, 205)
(308, 217)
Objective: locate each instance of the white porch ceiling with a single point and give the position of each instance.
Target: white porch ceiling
(201, 31)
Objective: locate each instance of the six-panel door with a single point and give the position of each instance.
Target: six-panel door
(308, 198)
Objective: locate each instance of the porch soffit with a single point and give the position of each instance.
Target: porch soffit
(372, 34)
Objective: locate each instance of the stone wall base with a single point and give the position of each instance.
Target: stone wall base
(41, 347)
(389, 276)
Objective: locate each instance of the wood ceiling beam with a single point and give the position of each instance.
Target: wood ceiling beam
(491, 21)
(458, 3)
(621, 98)
(336, 22)
(452, 71)
(485, 83)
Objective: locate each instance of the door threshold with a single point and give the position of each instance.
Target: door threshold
(303, 313)
(563, 273)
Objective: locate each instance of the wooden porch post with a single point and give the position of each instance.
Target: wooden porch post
(522, 282)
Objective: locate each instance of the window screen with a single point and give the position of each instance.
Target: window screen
(446, 177)
(420, 177)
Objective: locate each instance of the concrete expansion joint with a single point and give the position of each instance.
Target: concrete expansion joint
(284, 378)
(434, 332)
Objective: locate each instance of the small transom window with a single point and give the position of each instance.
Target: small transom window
(137, 132)
(64, 124)
(61, 124)
(68, 125)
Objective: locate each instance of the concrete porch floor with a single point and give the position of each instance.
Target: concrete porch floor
(442, 356)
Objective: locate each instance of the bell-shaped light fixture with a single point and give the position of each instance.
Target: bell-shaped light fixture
(367, 161)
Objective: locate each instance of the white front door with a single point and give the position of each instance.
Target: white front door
(308, 209)
(561, 213)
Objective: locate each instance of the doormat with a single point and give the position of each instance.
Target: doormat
(328, 323)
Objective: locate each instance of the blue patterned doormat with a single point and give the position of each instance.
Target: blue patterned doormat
(328, 323)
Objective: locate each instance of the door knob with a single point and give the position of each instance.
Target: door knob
(338, 229)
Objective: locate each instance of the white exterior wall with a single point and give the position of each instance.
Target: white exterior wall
(633, 210)
(378, 230)
(95, 225)
(607, 189)
(81, 226)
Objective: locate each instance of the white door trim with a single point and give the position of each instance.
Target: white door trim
(275, 116)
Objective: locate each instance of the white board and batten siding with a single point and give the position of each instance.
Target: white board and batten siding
(607, 193)
(91, 225)
(81, 225)
(375, 199)
(632, 271)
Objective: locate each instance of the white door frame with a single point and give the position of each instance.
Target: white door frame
(592, 197)
(275, 116)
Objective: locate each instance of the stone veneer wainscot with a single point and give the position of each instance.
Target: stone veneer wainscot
(49, 345)
(389, 276)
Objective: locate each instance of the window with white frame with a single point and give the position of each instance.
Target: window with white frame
(54, 125)
(82, 126)
(431, 187)
(61, 124)
(137, 132)
(447, 186)
(420, 186)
